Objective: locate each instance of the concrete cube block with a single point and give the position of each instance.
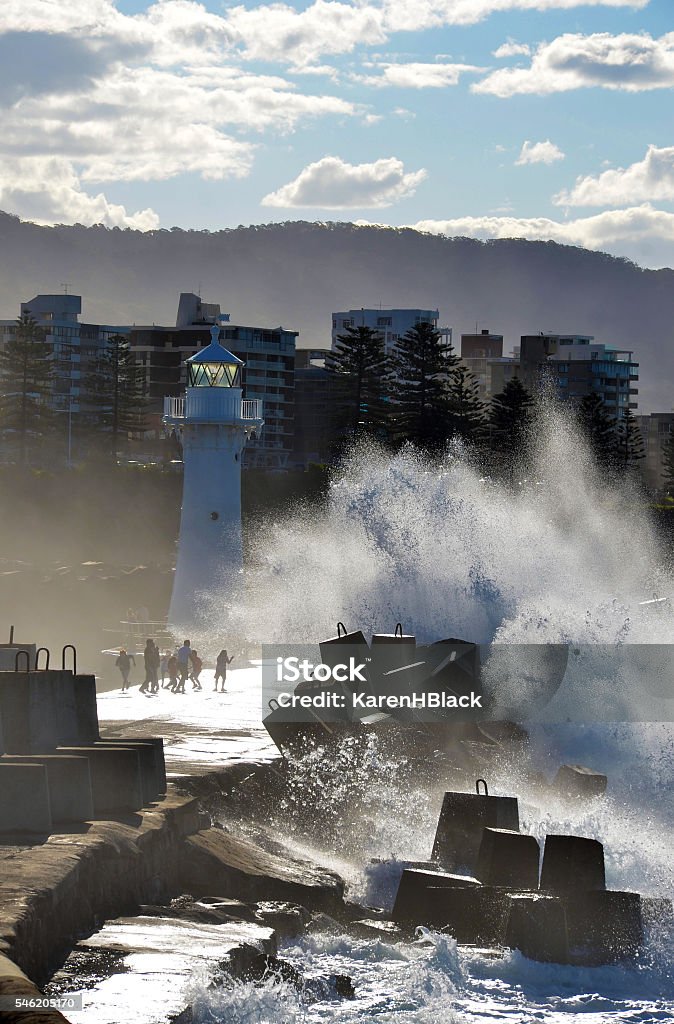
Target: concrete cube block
(411, 903)
(149, 774)
(572, 864)
(462, 820)
(69, 782)
(508, 858)
(477, 914)
(116, 782)
(86, 709)
(24, 798)
(603, 926)
(157, 744)
(537, 927)
(575, 780)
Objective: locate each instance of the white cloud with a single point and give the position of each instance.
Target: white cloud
(418, 76)
(630, 61)
(48, 191)
(539, 153)
(333, 184)
(601, 231)
(411, 15)
(118, 100)
(650, 178)
(512, 49)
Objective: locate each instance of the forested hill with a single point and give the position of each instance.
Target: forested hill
(296, 274)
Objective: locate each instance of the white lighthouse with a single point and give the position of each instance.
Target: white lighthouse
(213, 421)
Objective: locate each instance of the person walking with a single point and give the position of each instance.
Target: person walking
(172, 669)
(196, 665)
(150, 670)
(183, 656)
(123, 663)
(221, 669)
(154, 677)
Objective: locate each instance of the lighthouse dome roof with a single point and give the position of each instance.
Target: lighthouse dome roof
(214, 353)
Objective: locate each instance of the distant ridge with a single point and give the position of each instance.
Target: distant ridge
(296, 274)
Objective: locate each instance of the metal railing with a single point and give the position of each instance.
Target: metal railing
(216, 404)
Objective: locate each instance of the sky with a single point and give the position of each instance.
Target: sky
(543, 119)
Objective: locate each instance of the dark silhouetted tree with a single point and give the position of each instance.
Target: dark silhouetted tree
(599, 429)
(26, 373)
(467, 412)
(115, 394)
(422, 364)
(510, 418)
(629, 444)
(668, 463)
(359, 367)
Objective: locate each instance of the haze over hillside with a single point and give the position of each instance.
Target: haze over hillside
(296, 274)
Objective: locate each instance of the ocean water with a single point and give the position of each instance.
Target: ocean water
(432, 981)
(558, 558)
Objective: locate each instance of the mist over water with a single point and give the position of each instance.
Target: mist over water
(556, 557)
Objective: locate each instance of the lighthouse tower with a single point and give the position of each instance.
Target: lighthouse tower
(213, 421)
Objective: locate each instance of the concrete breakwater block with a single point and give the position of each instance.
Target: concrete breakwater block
(86, 709)
(29, 712)
(537, 927)
(69, 782)
(116, 781)
(411, 905)
(586, 929)
(8, 653)
(575, 780)
(477, 915)
(508, 858)
(41, 710)
(147, 759)
(157, 744)
(214, 861)
(572, 864)
(24, 798)
(603, 927)
(462, 820)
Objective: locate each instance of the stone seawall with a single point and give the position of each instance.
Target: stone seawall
(58, 889)
(53, 892)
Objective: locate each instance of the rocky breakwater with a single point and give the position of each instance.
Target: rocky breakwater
(484, 885)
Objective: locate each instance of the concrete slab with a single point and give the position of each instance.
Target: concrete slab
(24, 798)
(69, 780)
(116, 780)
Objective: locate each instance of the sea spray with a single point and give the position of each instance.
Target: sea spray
(558, 555)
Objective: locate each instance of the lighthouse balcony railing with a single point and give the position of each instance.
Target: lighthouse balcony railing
(212, 404)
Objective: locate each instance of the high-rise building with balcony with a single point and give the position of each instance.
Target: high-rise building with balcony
(578, 366)
(75, 348)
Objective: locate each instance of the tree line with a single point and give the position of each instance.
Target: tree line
(34, 373)
(422, 392)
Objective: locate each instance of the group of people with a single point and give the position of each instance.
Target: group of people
(171, 670)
